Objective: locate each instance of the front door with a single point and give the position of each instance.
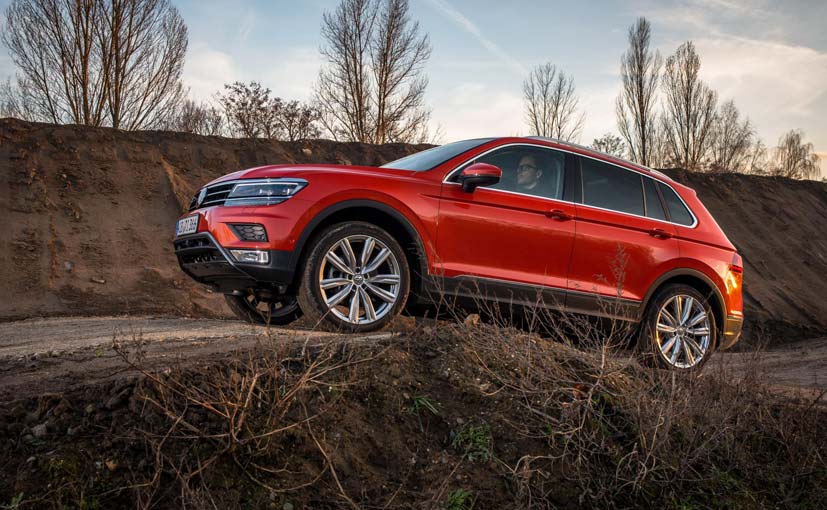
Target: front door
(513, 238)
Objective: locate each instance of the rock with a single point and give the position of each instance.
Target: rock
(68, 266)
(89, 409)
(97, 280)
(39, 430)
(472, 320)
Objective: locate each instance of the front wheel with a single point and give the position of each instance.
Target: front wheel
(276, 312)
(355, 278)
(679, 329)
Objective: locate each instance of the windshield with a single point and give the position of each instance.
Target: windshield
(432, 158)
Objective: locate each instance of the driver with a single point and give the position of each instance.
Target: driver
(528, 173)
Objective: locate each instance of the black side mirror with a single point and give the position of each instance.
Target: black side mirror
(479, 174)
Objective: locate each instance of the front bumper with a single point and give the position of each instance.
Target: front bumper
(733, 325)
(204, 260)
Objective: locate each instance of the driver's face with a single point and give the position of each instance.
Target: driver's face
(528, 173)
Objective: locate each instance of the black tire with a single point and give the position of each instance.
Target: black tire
(279, 312)
(654, 346)
(314, 304)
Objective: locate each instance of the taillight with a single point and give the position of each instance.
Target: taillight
(737, 264)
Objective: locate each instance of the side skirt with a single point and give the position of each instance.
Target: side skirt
(445, 290)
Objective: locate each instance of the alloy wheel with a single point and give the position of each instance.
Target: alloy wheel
(359, 279)
(684, 331)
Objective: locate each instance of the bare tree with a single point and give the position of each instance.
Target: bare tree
(372, 87)
(551, 103)
(143, 44)
(15, 101)
(297, 121)
(731, 141)
(198, 118)
(249, 109)
(635, 106)
(689, 108)
(757, 160)
(794, 158)
(54, 45)
(252, 113)
(98, 62)
(610, 144)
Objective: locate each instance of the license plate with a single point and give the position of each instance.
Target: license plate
(188, 225)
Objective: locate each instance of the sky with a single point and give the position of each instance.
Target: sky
(769, 57)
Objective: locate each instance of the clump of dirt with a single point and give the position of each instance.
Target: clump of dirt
(441, 417)
(84, 205)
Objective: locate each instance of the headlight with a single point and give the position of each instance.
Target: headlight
(267, 192)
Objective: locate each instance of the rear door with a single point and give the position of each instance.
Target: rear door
(514, 232)
(623, 240)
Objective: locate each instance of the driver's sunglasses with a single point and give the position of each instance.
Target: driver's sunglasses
(523, 168)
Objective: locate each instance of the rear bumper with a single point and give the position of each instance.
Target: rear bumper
(204, 260)
(731, 331)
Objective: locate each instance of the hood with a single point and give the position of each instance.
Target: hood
(304, 171)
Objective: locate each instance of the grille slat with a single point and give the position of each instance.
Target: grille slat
(216, 195)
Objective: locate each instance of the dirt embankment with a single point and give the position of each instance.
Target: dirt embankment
(89, 213)
(83, 206)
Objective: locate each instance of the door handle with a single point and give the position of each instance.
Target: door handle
(559, 214)
(660, 233)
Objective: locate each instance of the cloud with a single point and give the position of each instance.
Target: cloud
(289, 71)
(447, 10)
(207, 70)
(472, 110)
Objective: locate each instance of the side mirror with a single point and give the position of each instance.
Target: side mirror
(479, 174)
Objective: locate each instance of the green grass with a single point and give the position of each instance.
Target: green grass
(460, 499)
(474, 442)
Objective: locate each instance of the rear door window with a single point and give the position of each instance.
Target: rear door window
(654, 208)
(611, 187)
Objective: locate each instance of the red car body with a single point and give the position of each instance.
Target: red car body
(575, 254)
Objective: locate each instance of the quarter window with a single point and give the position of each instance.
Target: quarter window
(677, 210)
(610, 187)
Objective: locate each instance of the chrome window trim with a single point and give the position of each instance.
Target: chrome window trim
(694, 224)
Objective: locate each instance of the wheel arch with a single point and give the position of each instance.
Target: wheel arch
(376, 213)
(700, 282)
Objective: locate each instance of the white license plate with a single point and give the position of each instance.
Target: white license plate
(188, 225)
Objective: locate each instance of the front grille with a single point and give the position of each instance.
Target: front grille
(250, 232)
(197, 250)
(216, 195)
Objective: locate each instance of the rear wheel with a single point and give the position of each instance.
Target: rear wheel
(355, 278)
(278, 311)
(679, 329)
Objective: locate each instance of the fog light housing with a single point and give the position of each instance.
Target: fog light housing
(251, 256)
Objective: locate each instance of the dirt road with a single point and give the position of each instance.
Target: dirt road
(51, 355)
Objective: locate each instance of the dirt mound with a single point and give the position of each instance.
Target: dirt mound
(89, 213)
(780, 227)
(83, 206)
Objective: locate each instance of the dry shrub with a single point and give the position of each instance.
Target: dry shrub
(208, 427)
(621, 435)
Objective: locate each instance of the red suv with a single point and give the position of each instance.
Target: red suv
(519, 221)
